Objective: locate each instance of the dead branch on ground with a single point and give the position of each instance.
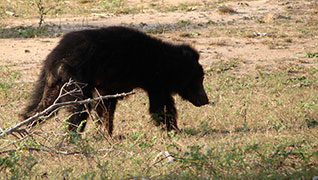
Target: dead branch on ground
(55, 106)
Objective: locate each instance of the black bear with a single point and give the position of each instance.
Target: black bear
(115, 60)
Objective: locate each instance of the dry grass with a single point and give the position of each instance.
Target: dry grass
(263, 125)
(226, 9)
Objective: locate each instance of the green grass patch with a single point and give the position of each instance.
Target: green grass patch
(7, 78)
(29, 32)
(312, 54)
(224, 66)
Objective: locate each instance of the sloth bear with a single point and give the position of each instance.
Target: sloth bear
(115, 60)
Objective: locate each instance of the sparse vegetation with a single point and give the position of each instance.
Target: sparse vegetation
(43, 8)
(224, 66)
(29, 32)
(261, 126)
(312, 55)
(226, 9)
(181, 7)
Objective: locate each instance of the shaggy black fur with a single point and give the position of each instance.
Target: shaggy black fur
(115, 60)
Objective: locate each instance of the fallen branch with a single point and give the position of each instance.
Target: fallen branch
(57, 105)
(57, 152)
(42, 149)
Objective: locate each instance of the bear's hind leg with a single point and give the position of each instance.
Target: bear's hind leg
(77, 121)
(79, 112)
(106, 110)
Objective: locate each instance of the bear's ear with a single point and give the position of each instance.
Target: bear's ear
(190, 53)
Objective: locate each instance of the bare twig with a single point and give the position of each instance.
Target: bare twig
(12, 143)
(170, 158)
(57, 105)
(42, 149)
(55, 151)
(42, 10)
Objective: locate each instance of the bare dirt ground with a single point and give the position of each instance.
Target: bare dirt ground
(268, 45)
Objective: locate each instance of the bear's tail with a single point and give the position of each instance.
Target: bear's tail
(45, 93)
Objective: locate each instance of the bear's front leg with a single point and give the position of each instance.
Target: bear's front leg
(163, 110)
